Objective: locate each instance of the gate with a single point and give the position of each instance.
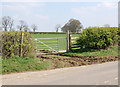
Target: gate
(57, 44)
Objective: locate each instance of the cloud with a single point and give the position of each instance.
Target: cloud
(99, 14)
(108, 4)
(21, 8)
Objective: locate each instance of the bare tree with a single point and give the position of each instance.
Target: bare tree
(34, 27)
(5, 22)
(57, 27)
(22, 25)
(106, 25)
(26, 28)
(11, 24)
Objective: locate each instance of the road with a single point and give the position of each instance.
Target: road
(97, 74)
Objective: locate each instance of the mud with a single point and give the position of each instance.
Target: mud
(76, 60)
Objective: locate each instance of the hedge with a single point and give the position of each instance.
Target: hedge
(98, 37)
(11, 44)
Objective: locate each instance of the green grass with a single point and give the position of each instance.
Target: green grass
(17, 64)
(112, 51)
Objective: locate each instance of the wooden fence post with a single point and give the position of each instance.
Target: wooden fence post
(21, 49)
(70, 44)
(68, 41)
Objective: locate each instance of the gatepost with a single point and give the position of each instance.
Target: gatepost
(68, 41)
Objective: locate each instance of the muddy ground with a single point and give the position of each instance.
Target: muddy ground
(60, 60)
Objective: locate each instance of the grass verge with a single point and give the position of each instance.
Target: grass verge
(17, 64)
(112, 51)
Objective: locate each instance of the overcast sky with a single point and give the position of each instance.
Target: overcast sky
(48, 14)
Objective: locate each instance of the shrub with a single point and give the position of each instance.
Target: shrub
(11, 44)
(98, 37)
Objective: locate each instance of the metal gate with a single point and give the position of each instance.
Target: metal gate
(57, 44)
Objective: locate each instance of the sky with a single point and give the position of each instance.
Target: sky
(46, 15)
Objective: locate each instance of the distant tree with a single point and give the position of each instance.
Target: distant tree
(26, 28)
(73, 25)
(22, 25)
(106, 25)
(119, 26)
(5, 22)
(34, 27)
(57, 27)
(11, 24)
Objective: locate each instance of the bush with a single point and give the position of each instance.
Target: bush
(11, 44)
(98, 37)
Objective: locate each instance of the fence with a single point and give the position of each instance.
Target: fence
(71, 41)
(57, 44)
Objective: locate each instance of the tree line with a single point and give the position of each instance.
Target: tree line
(8, 25)
(73, 25)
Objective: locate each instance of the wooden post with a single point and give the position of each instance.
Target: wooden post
(68, 40)
(70, 44)
(21, 50)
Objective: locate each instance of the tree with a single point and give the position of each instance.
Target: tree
(11, 24)
(26, 28)
(34, 27)
(106, 25)
(22, 25)
(57, 27)
(5, 22)
(73, 25)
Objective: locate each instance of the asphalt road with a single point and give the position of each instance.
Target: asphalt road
(97, 74)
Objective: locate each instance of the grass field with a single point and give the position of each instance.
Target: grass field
(57, 43)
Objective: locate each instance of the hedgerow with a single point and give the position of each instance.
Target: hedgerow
(98, 37)
(11, 44)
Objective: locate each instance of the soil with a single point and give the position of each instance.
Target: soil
(60, 60)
